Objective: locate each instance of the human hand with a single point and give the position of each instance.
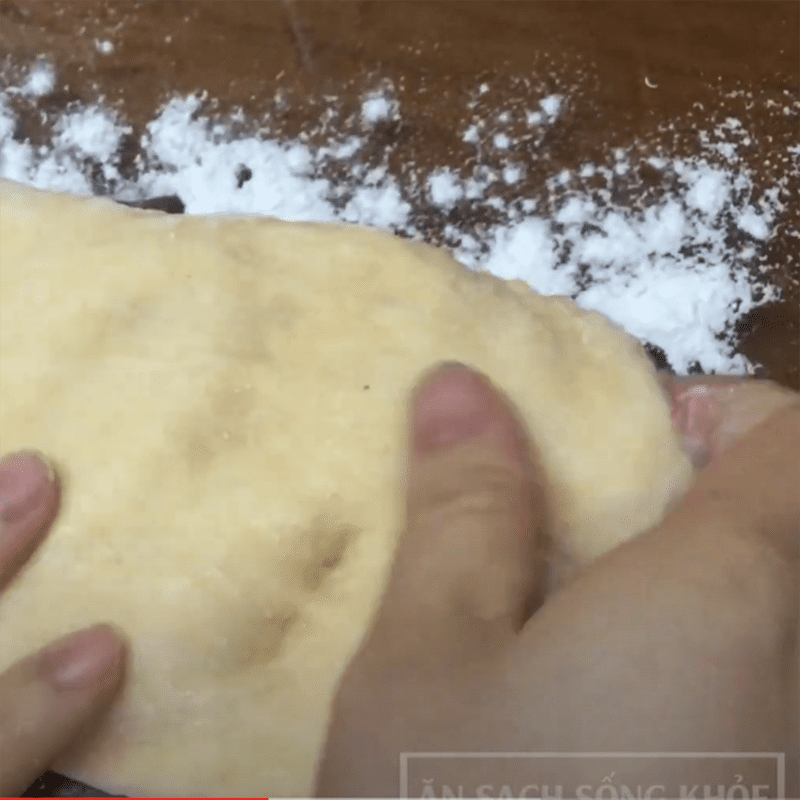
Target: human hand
(681, 640)
(49, 698)
(712, 412)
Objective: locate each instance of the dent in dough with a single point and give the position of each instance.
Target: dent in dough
(224, 399)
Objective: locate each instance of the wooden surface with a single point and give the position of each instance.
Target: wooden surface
(434, 53)
(241, 52)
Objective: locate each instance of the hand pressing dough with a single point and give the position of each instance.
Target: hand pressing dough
(225, 398)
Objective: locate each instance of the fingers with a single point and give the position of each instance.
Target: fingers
(48, 699)
(28, 504)
(712, 412)
(703, 607)
(469, 565)
(467, 569)
(746, 433)
(678, 640)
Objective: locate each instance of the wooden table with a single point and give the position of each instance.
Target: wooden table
(434, 53)
(241, 52)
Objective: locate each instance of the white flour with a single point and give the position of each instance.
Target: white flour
(661, 264)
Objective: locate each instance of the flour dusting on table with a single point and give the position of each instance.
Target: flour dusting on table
(668, 247)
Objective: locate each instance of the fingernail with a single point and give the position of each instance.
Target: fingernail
(450, 406)
(23, 477)
(694, 418)
(454, 403)
(81, 660)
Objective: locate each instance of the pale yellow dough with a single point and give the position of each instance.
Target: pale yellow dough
(225, 399)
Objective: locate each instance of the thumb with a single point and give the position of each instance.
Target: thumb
(469, 566)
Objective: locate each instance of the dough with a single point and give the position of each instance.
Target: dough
(224, 398)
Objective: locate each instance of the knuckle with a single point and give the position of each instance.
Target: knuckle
(482, 489)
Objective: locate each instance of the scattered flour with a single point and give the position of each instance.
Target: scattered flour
(501, 141)
(661, 265)
(445, 189)
(41, 80)
(376, 108)
(551, 105)
(471, 134)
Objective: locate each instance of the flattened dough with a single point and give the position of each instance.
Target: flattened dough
(225, 399)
